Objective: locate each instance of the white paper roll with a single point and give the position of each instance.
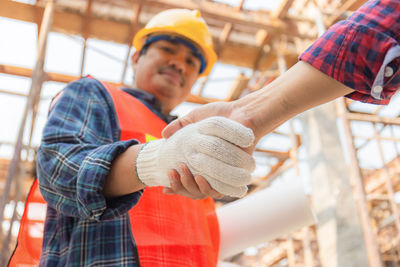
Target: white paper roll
(275, 211)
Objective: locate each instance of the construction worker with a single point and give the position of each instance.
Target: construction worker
(358, 58)
(115, 195)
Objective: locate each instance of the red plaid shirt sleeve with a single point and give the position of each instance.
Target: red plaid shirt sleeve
(362, 52)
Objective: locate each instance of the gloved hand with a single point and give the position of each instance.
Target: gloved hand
(209, 148)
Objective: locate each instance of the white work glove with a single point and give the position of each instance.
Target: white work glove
(209, 148)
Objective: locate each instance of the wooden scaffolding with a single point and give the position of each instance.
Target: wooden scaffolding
(266, 41)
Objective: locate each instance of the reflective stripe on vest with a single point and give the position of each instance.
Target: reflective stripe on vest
(169, 230)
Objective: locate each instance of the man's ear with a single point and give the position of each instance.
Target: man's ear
(135, 59)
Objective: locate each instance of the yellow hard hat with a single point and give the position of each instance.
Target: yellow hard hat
(183, 23)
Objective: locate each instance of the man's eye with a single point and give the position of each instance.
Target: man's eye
(190, 62)
(167, 49)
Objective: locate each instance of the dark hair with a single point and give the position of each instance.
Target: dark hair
(143, 51)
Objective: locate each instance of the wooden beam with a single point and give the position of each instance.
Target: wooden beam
(386, 138)
(201, 100)
(348, 5)
(241, 52)
(253, 19)
(26, 72)
(85, 30)
(263, 37)
(375, 182)
(357, 183)
(63, 78)
(274, 169)
(8, 92)
(373, 118)
(39, 16)
(377, 197)
(27, 179)
(276, 154)
(137, 8)
(290, 252)
(223, 37)
(240, 6)
(238, 87)
(307, 249)
(282, 9)
(277, 253)
(225, 13)
(34, 93)
(14, 70)
(12, 93)
(389, 185)
(69, 22)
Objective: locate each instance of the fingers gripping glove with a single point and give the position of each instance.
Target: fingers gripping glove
(210, 148)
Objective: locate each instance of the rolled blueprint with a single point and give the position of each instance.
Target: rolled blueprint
(275, 211)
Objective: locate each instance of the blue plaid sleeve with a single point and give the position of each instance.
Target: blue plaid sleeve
(362, 52)
(80, 141)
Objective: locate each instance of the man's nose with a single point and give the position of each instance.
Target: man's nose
(178, 62)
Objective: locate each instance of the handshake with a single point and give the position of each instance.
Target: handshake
(210, 148)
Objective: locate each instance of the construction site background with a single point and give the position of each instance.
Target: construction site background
(346, 153)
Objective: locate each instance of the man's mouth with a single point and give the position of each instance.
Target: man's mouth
(173, 76)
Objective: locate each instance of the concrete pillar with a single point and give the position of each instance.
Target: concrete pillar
(339, 231)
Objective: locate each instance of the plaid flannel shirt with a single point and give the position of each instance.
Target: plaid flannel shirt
(362, 52)
(80, 141)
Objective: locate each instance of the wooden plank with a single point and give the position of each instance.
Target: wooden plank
(67, 22)
(137, 8)
(277, 154)
(359, 191)
(85, 30)
(373, 118)
(223, 37)
(63, 78)
(34, 93)
(240, 6)
(253, 19)
(26, 72)
(274, 169)
(237, 88)
(244, 54)
(282, 9)
(375, 181)
(277, 253)
(6, 92)
(348, 5)
(386, 138)
(224, 13)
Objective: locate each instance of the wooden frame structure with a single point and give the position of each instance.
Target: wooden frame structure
(268, 42)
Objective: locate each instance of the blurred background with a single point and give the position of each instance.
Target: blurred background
(345, 153)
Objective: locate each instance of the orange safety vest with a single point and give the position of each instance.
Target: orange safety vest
(169, 230)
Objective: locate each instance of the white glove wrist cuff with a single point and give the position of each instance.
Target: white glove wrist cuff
(147, 165)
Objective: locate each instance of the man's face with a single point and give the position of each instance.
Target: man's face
(167, 70)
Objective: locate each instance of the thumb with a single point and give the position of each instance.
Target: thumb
(176, 125)
(223, 109)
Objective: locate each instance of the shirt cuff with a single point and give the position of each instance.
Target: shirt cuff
(386, 71)
(94, 170)
(356, 56)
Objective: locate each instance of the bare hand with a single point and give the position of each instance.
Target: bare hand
(183, 183)
(223, 109)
